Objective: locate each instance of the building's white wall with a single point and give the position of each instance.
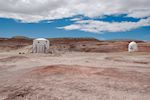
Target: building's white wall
(132, 47)
(40, 46)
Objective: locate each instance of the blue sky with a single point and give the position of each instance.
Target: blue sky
(52, 19)
(10, 28)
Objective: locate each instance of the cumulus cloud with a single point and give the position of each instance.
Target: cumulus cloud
(37, 10)
(28, 11)
(101, 26)
(139, 13)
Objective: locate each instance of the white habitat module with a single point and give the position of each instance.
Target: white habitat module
(132, 47)
(40, 45)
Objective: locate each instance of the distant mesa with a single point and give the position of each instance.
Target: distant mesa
(20, 37)
(125, 40)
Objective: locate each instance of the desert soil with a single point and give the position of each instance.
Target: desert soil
(75, 76)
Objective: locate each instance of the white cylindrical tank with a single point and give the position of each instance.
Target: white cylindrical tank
(132, 47)
(40, 45)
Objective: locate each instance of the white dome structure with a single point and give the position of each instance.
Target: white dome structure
(132, 47)
(40, 45)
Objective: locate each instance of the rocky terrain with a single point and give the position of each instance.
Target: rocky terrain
(75, 44)
(81, 69)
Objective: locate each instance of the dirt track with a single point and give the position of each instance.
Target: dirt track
(75, 76)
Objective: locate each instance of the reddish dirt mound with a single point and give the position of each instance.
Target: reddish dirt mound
(92, 71)
(110, 72)
(59, 69)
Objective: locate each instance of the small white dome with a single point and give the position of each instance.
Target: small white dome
(132, 43)
(40, 39)
(132, 46)
(40, 45)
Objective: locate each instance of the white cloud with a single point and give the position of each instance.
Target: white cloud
(76, 19)
(101, 26)
(37, 10)
(28, 11)
(139, 13)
